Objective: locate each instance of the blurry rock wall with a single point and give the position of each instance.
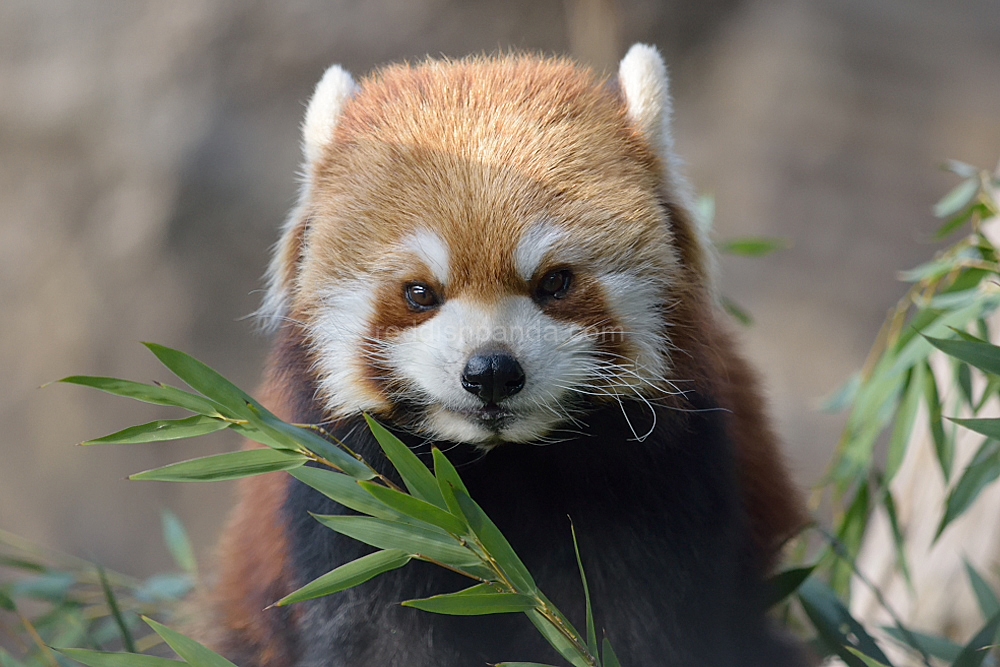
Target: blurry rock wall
(148, 153)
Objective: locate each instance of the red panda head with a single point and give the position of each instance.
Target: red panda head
(483, 248)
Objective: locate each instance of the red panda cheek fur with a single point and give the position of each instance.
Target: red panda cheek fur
(479, 150)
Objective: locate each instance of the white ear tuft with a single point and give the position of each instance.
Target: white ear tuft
(331, 94)
(643, 79)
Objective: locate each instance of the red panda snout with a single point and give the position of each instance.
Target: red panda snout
(493, 376)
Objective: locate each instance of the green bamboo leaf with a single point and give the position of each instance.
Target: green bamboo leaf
(478, 600)
(938, 647)
(974, 653)
(6, 602)
(495, 543)
(106, 659)
(963, 375)
(189, 650)
(836, 626)
(897, 532)
(869, 662)
(591, 629)
(753, 246)
(988, 427)
(557, 640)
(988, 602)
(906, 417)
(417, 478)
(220, 467)
(116, 612)
(944, 446)
(163, 430)
(959, 168)
(178, 543)
(447, 477)
(783, 584)
(348, 576)
(980, 473)
(953, 225)
(203, 379)
(959, 198)
(982, 355)
(844, 397)
(297, 437)
(158, 394)
(7, 660)
(610, 659)
(849, 534)
(417, 509)
(736, 311)
(344, 490)
(521, 664)
(419, 541)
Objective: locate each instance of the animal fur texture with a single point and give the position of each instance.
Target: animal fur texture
(498, 256)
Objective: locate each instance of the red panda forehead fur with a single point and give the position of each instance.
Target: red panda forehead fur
(479, 151)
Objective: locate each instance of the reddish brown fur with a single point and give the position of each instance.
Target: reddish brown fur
(459, 147)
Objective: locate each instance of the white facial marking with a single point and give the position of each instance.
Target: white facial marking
(636, 303)
(536, 243)
(555, 356)
(431, 250)
(339, 335)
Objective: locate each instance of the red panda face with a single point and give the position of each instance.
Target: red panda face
(483, 251)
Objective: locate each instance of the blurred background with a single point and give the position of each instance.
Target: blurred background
(148, 153)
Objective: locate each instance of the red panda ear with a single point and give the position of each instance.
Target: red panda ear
(332, 93)
(644, 84)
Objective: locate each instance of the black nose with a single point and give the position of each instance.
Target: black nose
(493, 376)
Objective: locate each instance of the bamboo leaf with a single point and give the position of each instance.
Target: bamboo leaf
(938, 647)
(591, 629)
(944, 446)
(753, 246)
(610, 659)
(417, 478)
(147, 393)
(783, 584)
(869, 662)
(556, 639)
(959, 198)
(988, 427)
(974, 653)
(988, 602)
(189, 650)
(116, 612)
(906, 417)
(417, 541)
(233, 465)
(495, 543)
(982, 355)
(736, 311)
(297, 437)
(178, 543)
(478, 600)
(447, 477)
(980, 473)
(417, 509)
(348, 576)
(836, 626)
(163, 430)
(203, 379)
(345, 490)
(106, 659)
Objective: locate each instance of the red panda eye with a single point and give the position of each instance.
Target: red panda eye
(555, 285)
(420, 297)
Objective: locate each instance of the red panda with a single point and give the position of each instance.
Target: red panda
(498, 256)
